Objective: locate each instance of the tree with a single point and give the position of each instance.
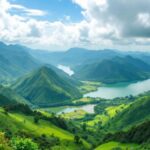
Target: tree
(84, 126)
(36, 119)
(23, 144)
(76, 139)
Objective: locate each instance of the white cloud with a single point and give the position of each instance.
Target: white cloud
(106, 24)
(27, 11)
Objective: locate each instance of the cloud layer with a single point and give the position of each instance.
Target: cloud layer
(107, 24)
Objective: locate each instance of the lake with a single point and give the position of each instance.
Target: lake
(87, 108)
(121, 90)
(66, 69)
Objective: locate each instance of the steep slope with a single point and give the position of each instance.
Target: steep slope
(117, 69)
(5, 101)
(10, 96)
(137, 134)
(45, 87)
(15, 61)
(137, 112)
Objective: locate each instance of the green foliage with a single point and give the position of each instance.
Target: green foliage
(118, 69)
(136, 112)
(45, 87)
(23, 144)
(117, 146)
(138, 134)
(11, 95)
(3, 142)
(76, 139)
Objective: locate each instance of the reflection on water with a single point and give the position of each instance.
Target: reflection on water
(121, 90)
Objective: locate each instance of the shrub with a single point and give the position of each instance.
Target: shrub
(3, 142)
(23, 144)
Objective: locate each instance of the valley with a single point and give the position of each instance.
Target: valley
(74, 75)
(100, 103)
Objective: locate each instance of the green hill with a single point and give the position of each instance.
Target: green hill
(45, 87)
(135, 113)
(137, 134)
(15, 61)
(118, 69)
(116, 146)
(9, 96)
(45, 133)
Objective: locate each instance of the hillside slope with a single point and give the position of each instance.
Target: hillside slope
(9, 96)
(117, 69)
(134, 114)
(45, 132)
(15, 61)
(45, 87)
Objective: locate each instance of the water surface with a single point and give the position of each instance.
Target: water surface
(121, 90)
(87, 108)
(66, 69)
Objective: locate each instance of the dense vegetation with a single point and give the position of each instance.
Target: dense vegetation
(30, 105)
(115, 70)
(44, 86)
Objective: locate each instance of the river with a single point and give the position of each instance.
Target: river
(66, 69)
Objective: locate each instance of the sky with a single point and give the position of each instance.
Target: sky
(57, 25)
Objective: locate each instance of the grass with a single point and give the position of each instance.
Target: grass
(89, 86)
(53, 109)
(113, 145)
(84, 99)
(77, 114)
(110, 112)
(19, 122)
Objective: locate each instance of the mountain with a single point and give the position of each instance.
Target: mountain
(73, 57)
(117, 69)
(15, 61)
(80, 56)
(46, 87)
(8, 96)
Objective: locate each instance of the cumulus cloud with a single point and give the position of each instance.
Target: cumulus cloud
(106, 24)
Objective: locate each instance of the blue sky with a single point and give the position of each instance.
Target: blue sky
(63, 24)
(56, 9)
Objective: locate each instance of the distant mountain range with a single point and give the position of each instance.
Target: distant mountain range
(73, 57)
(79, 56)
(15, 61)
(50, 85)
(45, 87)
(117, 69)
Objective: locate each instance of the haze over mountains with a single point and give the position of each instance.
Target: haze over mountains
(15, 61)
(30, 80)
(79, 56)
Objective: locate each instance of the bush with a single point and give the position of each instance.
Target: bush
(23, 144)
(3, 142)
